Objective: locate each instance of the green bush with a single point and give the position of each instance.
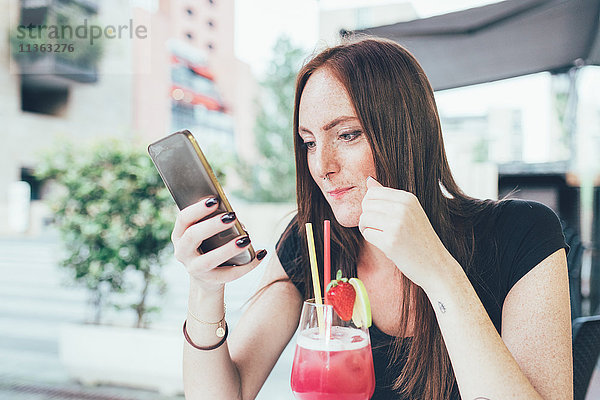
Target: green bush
(115, 217)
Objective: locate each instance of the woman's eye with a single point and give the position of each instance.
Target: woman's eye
(308, 145)
(350, 136)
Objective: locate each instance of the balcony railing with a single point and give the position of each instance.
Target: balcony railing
(45, 60)
(53, 70)
(28, 4)
(90, 5)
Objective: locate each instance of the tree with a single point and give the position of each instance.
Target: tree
(272, 176)
(115, 218)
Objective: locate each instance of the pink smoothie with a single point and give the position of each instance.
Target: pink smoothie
(341, 369)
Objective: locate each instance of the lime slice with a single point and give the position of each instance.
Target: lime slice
(361, 313)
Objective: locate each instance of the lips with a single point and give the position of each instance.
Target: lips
(339, 193)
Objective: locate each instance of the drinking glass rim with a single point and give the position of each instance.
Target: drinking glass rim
(330, 310)
(312, 302)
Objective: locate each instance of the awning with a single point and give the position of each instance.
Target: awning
(501, 40)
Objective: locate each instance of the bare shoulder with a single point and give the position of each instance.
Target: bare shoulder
(536, 326)
(540, 290)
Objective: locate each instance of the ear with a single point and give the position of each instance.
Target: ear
(371, 182)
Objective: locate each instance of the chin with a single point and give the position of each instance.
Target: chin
(346, 219)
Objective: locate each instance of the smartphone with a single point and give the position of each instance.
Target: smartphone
(189, 177)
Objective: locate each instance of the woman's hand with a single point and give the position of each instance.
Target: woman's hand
(394, 221)
(188, 234)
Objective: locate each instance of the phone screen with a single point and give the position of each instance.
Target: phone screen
(188, 176)
(183, 171)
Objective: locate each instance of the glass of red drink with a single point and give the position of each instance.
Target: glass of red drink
(332, 361)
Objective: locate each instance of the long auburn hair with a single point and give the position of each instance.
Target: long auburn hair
(395, 105)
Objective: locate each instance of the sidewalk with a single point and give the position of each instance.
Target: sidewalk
(34, 303)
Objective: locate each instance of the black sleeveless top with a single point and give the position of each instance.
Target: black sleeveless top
(523, 234)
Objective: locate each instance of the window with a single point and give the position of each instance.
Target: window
(28, 175)
(189, 11)
(211, 23)
(189, 35)
(186, 77)
(210, 46)
(211, 2)
(182, 116)
(34, 16)
(43, 99)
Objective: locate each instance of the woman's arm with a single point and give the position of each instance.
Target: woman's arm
(533, 359)
(236, 369)
(239, 368)
(536, 327)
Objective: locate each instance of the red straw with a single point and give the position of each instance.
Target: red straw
(326, 257)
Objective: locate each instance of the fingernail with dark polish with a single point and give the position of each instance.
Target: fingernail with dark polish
(242, 242)
(211, 202)
(227, 218)
(261, 254)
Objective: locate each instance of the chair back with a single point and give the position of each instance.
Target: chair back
(586, 348)
(574, 263)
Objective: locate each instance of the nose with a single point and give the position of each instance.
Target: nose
(326, 160)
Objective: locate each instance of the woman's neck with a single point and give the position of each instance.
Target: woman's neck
(373, 260)
(384, 283)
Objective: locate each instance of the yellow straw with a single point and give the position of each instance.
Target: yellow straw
(315, 275)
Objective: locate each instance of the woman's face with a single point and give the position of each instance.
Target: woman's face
(335, 145)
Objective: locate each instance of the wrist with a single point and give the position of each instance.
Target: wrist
(200, 288)
(203, 298)
(451, 276)
(205, 321)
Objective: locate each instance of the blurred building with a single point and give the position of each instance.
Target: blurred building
(47, 96)
(495, 136)
(194, 80)
(181, 73)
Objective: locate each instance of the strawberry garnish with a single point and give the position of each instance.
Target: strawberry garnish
(341, 295)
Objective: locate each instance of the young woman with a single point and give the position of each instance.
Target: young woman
(469, 298)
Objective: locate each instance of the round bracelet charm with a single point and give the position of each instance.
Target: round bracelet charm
(220, 331)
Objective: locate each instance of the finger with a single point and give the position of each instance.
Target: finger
(372, 182)
(387, 206)
(193, 236)
(212, 259)
(390, 194)
(373, 236)
(231, 273)
(380, 192)
(377, 190)
(373, 220)
(192, 214)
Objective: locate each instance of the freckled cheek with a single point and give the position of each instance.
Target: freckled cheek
(361, 163)
(311, 168)
(368, 164)
(314, 173)
(357, 200)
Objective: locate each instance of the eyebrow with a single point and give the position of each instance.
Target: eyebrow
(331, 124)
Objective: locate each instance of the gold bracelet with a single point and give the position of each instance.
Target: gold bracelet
(220, 331)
